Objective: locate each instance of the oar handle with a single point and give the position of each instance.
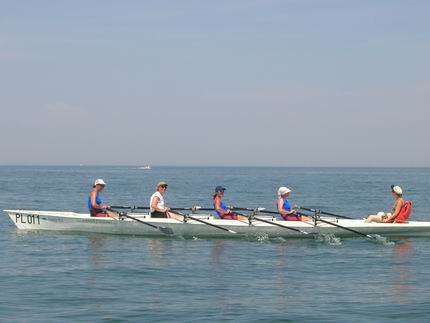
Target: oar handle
(122, 207)
(241, 208)
(204, 209)
(269, 212)
(181, 209)
(131, 207)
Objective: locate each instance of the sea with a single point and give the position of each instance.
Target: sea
(82, 277)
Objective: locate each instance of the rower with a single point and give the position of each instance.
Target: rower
(221, 209)
(400, 212)
(156, 203)
(95, 203)
(287, 212)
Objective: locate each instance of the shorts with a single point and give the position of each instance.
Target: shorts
(157, 214)
(100, 213)
(292, 217)
(230, 216)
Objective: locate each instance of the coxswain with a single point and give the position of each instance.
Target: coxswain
(400, 211)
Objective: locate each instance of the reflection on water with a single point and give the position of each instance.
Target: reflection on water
(402, 281)
(97, 243)
(217, 251)
(157, 251)
(281, 269)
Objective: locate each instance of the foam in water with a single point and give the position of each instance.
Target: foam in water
(383, 240)
(263, 237)
(329, 238)
(280, 240)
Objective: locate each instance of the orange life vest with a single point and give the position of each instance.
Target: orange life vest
(404, 213)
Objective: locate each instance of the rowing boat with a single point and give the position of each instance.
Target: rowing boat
(206, 227)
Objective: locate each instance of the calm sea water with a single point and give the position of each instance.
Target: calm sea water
(75, 277)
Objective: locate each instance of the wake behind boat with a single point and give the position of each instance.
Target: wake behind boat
(204, 225)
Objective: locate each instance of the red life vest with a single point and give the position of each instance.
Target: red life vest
(404, 213)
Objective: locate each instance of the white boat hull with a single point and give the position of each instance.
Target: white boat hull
(78, 222)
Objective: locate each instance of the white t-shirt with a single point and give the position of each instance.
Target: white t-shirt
(160, 204)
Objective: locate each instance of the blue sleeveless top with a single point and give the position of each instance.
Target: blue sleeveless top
(286, 206)
(223, 206)
(98, 201)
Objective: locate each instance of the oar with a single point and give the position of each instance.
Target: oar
(131, 207)
(260, 209)
(328, 222)
(342, 227)
(201, 221)
(266, 221)
(174, 210)
(326, 213)
(194, 208)
(122, 207)
(165, 230)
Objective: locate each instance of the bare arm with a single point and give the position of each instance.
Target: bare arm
(155, 207)
(281, 209)
(396, 212)
(94, 205)
(217, 206)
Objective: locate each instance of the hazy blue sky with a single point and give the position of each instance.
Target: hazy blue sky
(257, 82)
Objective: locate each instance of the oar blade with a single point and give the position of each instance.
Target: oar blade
(165, 230)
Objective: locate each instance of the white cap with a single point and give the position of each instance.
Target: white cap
(99, 182)
(397, 189)
(380, 213)
(283, 190)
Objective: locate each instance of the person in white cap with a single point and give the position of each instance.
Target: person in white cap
(389, 217)
(287, 212)
(95, 203)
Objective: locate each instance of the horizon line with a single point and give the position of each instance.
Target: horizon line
(208, 166)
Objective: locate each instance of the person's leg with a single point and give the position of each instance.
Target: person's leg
(374, 218)
(238, 217)
(175, 216)
(113, 215)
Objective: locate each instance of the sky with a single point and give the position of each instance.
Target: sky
(223, 83)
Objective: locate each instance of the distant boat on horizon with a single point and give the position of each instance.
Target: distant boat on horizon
(145, 167)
